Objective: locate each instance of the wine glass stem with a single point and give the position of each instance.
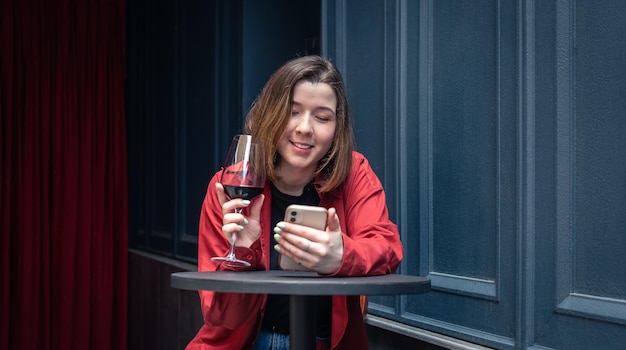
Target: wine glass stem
(232, 246)
(231, 255)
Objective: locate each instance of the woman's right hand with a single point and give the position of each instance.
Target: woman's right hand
(247, 228)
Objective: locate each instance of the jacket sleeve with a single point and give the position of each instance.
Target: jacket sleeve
(229, 310)
(371, 241)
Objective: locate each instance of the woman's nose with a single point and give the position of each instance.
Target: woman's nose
(304, 124)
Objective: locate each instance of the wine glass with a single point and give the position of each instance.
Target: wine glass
(243, 176)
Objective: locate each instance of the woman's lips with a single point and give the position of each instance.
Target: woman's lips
(302, 146)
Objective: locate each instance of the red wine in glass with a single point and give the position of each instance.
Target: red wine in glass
(244, 192)
(243, 176)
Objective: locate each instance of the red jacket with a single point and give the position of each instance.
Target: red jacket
(371, 246)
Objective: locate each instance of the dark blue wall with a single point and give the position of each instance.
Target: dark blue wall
(275, 31)
(497, 127)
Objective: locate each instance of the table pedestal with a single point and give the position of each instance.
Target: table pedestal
(302, 322)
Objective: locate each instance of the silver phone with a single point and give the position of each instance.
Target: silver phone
(305, 215)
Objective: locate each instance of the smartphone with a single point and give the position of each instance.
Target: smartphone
(305, 215)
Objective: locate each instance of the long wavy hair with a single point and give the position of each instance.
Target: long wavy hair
(267, 118)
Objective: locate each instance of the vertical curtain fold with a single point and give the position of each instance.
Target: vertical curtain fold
(63, 178)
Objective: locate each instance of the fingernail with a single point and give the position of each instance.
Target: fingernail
(246, 202)
(280, 225)
(277, 237)
(277, 229)
(245, 221)
(240, 227)
(277, 248)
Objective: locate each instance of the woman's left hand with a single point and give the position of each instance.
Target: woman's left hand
(321, 251)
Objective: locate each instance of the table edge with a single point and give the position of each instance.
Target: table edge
(194, 280)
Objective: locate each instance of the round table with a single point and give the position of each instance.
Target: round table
(301, 287)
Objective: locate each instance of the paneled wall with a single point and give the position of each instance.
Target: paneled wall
(582, 235)
(183, 106)
(496, 127)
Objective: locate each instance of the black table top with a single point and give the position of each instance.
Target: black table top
(298, 283)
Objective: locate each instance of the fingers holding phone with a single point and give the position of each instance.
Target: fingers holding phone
(304, 241)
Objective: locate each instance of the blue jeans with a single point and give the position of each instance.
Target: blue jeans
(280, 341)
(271, 341)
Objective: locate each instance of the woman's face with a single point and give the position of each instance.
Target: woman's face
(310, 130)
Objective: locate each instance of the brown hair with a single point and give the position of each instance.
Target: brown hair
(268, 116)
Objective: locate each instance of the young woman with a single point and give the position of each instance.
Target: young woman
(302, 118)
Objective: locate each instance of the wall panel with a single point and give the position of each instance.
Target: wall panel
(473, 126)
(465, 129)
(586, 308)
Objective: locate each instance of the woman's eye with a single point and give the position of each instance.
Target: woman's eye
(322, 118)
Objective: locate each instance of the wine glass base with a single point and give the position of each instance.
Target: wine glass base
(231, 262)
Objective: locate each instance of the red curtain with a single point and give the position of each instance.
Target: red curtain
(63, 195)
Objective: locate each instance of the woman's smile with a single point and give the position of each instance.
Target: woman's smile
(301, 146)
